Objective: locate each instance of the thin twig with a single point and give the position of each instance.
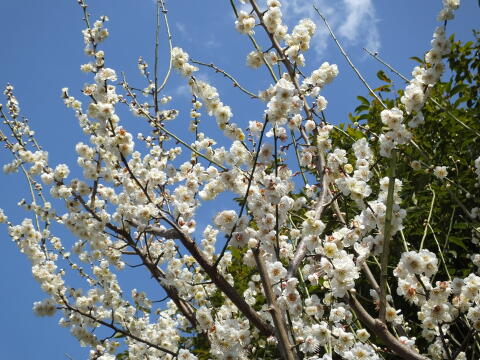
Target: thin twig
(245, 198)
(428, 219)
(170, 45)
(155, 68)
(227, 75)
(362, 79)
(169, 133)
(256, 46)
(116, 329)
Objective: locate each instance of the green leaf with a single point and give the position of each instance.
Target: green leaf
(363, 117)
(382, 76)
(461, 100)
(385, 88)
(417, 59)
(364, 100)
(361, 108)
(461, 226)
(458, 241)
(414, 199)
(458, 88)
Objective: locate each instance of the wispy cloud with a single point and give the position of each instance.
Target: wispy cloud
(360, 21)
(212, 43)
(185, 33)
(181, 27)
(182, 30)
(182, 91)
(353, 21)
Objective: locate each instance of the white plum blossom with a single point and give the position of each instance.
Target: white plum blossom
(440, 172)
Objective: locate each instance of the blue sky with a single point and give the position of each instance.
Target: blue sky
(42, 49)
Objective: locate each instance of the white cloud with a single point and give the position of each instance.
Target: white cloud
(181, 27)
(360, 20)
(182, 30)
(182, 91)
(353, 21)
(212, 43)
(185, 34)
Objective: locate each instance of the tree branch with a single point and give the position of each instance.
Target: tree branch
(116, 329)
(381, 331)
(222, 284)
(387, 234)
(282, 336)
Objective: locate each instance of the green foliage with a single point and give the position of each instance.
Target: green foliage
(449, 137)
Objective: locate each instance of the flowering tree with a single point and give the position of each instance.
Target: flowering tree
(331, 253)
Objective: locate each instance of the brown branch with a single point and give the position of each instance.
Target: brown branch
(282, 336)
(302, 247)
(300, 254)
(381, 331)
(444, 343)
(245, 198)
(227, 75)
(184, 307)
(373, 282)
(165, 233)
(387, 234)
(116, 329)
(171, 291)
(221, 283)
(464, 344)
(95, 183)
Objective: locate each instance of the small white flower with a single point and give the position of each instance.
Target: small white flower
(276, 271)
(440, 172)
(362, 335)
(321, 103)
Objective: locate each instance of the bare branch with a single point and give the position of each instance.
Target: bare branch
(222, 284)
(387, 234)
(116, 329)
(281, 329)
(227, 75)
(381, 331)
